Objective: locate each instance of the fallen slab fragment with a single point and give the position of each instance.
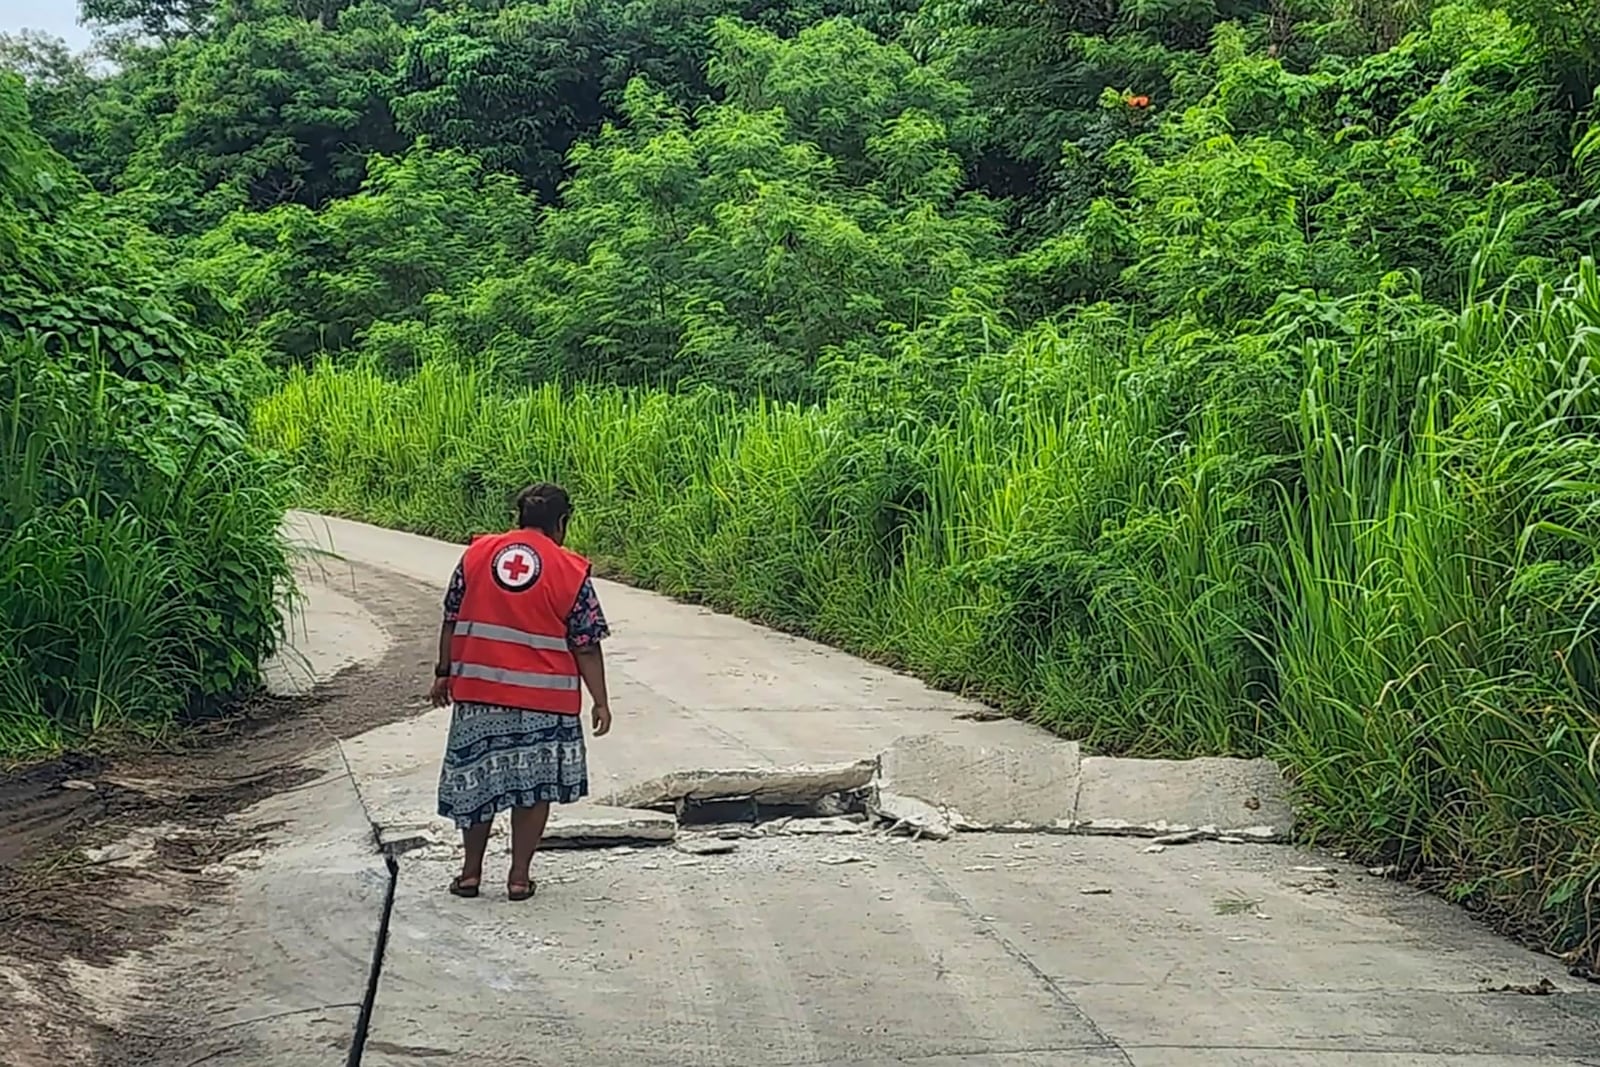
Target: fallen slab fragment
(917, 818)
(1017, 787)
(763, 785)
(599, 826)
(1238, 798)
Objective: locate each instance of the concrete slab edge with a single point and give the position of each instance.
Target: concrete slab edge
(771, 785)
(921, 785)
(925, 784)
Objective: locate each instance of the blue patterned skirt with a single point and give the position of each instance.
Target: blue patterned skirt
(500, 758)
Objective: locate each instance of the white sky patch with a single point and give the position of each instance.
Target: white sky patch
(59, 18)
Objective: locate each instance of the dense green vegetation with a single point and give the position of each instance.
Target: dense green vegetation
(138, 524)
(1195, 377)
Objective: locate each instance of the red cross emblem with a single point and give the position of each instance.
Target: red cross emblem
(516, 567)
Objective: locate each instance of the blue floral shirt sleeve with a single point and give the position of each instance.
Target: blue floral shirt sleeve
(454, 595)
(586, 622)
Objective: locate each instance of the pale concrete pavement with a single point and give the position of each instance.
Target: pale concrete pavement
(691, 690)
(987, 950)
(982, 951)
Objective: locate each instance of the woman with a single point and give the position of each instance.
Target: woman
(522, 628)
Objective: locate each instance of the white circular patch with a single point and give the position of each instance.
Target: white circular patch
(516, 567)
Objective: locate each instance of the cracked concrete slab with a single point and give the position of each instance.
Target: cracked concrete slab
(1165, 1056)
(1231, 796)
(981, 950)
(1229, 948)
(1430, 1023)
(759, 958)
(1013, 786)
(802, 784)
(599, 824)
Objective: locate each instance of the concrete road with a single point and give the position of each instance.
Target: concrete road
(980, 952)
(848, 950)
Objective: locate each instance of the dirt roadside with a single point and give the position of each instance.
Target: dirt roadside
(65, 901)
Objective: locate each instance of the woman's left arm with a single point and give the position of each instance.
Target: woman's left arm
(586, 629)
(440, 693)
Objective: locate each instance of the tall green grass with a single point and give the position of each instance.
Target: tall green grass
(1362, 540)
(139, 554)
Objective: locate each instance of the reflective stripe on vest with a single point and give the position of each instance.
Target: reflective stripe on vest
(525, 679)
(494, 632)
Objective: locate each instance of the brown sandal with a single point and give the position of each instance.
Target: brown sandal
(459, 890)
(519, 891)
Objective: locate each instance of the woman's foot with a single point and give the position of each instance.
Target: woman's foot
(523, 890)
(465, 885)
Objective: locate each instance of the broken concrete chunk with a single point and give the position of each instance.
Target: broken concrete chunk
(1267, 834)
(599, 826)
(245, 860)
(1018, 787)
(730, 833)
(764, 785)
(1239, 798)
(913, 817)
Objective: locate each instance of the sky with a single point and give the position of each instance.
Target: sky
(58, 18)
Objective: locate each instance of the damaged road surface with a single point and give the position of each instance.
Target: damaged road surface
(795, 859)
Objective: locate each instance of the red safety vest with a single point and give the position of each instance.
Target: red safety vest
(510, 642)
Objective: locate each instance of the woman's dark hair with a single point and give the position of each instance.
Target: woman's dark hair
(543, 507)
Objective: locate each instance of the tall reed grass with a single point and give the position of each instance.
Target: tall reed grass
(1365, 541)
(139, 554)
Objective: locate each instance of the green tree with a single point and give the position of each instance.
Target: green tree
(274, 110)
(60, 88)
(423, 227)
(1041, 70)
(164, 20)
(137, 523)
(730, 249)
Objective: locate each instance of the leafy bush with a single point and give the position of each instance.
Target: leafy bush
(139, 543)
(138, 526)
